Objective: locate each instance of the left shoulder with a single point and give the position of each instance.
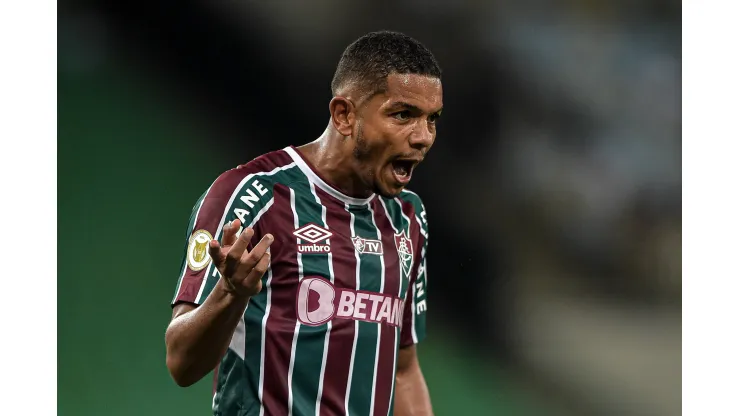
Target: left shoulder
(414, 199)
(420, 211)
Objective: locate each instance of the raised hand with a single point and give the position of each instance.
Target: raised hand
(241, 269)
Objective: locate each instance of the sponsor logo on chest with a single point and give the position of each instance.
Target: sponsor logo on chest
(318, 302)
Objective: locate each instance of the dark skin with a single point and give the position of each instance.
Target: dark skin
(197, 337)
(368, 137)
(366, 134)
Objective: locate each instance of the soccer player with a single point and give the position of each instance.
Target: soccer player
(304, 279)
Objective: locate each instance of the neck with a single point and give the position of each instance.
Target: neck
(331, 155)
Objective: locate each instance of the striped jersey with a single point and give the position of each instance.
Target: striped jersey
(345, 289)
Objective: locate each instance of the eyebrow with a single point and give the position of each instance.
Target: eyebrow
(412, 107)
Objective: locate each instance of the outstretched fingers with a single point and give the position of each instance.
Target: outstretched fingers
(230, 233)
(250, 259)
(253, 280)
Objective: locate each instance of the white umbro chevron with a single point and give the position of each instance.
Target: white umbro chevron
(311, 234)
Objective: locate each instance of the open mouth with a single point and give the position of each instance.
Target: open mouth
(402, 169)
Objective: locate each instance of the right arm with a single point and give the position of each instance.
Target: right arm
(207, 306)
(198, 336)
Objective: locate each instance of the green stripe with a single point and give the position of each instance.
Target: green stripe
(360, 393)
(310, 343)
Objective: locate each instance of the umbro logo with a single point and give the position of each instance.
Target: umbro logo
(310, 235)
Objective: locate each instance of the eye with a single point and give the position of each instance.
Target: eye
(402, 115)
(433, 118)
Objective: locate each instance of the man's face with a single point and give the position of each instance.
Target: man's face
(395, 130)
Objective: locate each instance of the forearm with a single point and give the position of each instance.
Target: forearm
(197, 339)
(412, 395)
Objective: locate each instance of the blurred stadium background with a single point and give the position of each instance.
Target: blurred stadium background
(553, 190)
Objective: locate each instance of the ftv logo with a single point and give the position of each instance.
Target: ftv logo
(364, 245)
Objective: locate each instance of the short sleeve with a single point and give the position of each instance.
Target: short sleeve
(235, 194)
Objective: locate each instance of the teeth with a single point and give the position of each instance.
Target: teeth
(400, 170)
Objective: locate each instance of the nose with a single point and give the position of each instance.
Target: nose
(422, 136)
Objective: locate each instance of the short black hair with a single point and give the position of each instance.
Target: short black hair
(370, 59)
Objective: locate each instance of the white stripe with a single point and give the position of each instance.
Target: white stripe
(264, 334)
(400, 288)
(382, 287)
(357, 323)
(328, 329)
(421, 228)
(238, 339)
(195, 221)
(314, 178)
(414, 336)
(297, 323)
(226, 212)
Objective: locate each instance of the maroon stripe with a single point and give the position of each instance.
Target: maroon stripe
(213, 207)
(281, 321)
(344, 263)
(386, 352)
(269, 161)
(416, 238)
(386, 371)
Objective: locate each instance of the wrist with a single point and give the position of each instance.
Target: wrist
(230, 293)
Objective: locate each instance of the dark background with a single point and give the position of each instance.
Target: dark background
(553, 190)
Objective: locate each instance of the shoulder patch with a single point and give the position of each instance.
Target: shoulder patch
(198, 257)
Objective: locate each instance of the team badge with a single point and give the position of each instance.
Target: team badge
(405, 252)
(198, 257)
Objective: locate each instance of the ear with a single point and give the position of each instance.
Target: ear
(343, 115)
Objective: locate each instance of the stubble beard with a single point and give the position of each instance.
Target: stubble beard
(363, 155)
